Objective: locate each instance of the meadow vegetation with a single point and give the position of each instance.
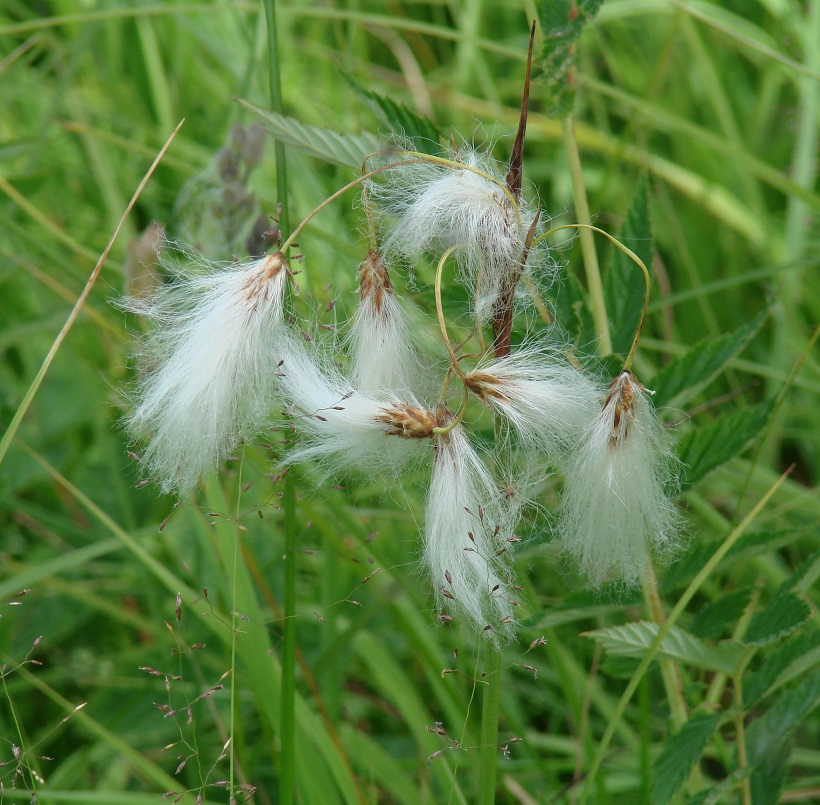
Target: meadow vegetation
(271, 634)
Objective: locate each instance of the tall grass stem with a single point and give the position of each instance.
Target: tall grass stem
(595, 286)
(287, 736)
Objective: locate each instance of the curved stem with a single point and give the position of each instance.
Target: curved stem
(453, 165)
(635, 259)
(440, 313)
(454, 364)
(341, 191)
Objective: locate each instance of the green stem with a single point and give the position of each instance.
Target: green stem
(670, 672)
(490, 711)
(287, 724)
(593, 272)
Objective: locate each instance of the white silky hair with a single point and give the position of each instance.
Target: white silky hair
(382, 355)
(548, 401)
(464, 500)
(339, 425)
(209, 365)
(438, 207)
(615, 510)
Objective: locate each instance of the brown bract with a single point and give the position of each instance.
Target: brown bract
(408, 422)
(485, 386)
(621, 400)
(267, 269)
(374, 281)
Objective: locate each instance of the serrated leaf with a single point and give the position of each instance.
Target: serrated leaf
(714, 444)
(620, 667)
(562, 22)
(805, 575)
(398, 118)
(679, 755)
(765, 734)
(684, 377)
(331, 146)
(799, 654)
(766, 781)
(755, 543)
(624, 284)
(725, 611)
(634, 639)
(782, 615)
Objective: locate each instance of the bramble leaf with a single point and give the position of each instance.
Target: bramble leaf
(783, 614)
(724, 611)
(624, 284)
(326, 144)
(684, 377)
(714, 444)
(765, 734)
(634, 639)
(679, 755)
(398, 118)
(562, 22)
(794, 657)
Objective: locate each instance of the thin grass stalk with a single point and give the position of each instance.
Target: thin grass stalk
(8, 436)
(595, 286)
(490, 711)
(287, 736)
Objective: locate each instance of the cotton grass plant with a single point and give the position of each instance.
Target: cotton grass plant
(273, 629)
(222, 356)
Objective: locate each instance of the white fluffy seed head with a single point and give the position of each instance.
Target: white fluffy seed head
(437, 207)
(209, 366)
(341, 426)
(548, 401)
(466, 539)
(615, 508)
(382, 357)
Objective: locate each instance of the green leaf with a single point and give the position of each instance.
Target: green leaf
(684, 377)
(797, 655)
(755, 543)
(725, 611)
(714, 444)
(765, 734)
(634, 639)
(767, 780)
(783, 614)
(562, 22)
(679, 755)
(624, 284)
(805, 576)
(342, 149)
(398, 118)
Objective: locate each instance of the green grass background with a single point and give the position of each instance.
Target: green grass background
(715, 103)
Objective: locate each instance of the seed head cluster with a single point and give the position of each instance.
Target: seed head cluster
(223, 354)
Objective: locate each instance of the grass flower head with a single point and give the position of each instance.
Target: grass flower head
(467, 537)
(459, 204)
(209, 364)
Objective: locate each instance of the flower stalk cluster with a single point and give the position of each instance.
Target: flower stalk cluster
(223, 352)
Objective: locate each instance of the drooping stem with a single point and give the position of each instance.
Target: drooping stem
(287, 723)
(635, 259)
(591, 267)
